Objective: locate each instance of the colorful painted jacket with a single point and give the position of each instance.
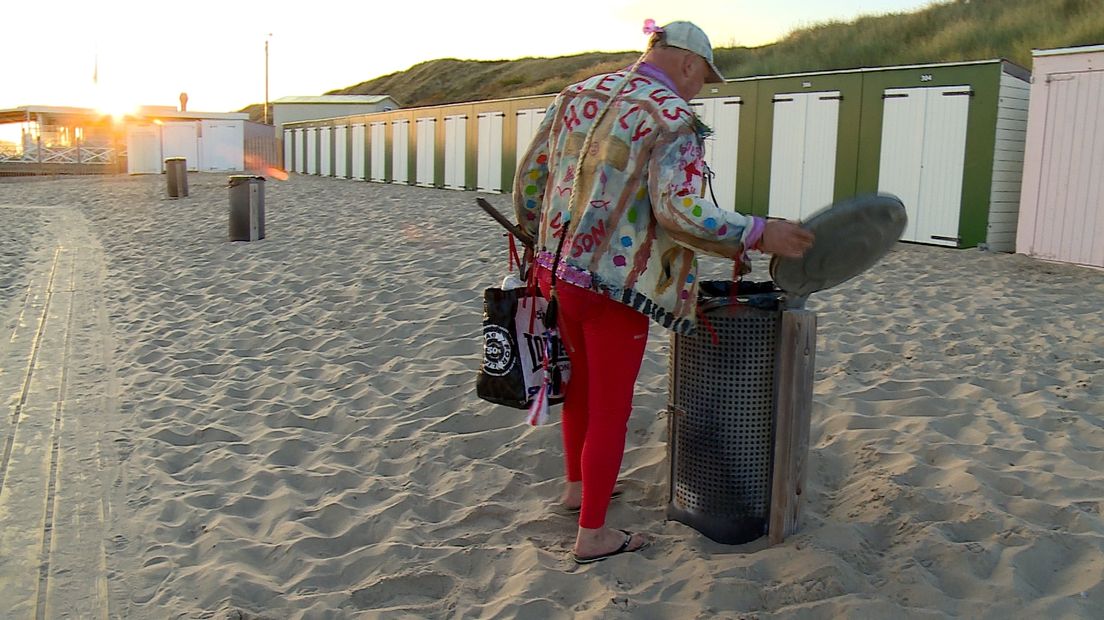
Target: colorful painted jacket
(643, 213)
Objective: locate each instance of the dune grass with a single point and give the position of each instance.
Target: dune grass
(941, 32)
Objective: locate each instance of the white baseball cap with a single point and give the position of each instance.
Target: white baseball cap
(687, 36)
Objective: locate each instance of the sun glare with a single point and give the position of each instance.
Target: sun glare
(116, 107)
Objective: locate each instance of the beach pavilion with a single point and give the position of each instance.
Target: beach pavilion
(71, 140)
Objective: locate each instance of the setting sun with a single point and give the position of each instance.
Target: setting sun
(115, 105)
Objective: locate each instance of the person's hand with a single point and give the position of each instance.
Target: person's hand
(785, 238)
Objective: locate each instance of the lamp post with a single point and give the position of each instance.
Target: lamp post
(266, 79)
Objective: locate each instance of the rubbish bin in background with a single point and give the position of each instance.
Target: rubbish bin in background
(176, 176)
(246, 207)
(741, 386)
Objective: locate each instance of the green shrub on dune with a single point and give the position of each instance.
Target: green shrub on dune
(943, 32)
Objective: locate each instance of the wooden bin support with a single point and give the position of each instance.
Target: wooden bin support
(795, 361)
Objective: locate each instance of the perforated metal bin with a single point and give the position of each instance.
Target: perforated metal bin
(723, 410)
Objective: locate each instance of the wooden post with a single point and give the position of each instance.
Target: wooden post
(795, 361)
(38, 146)
(118, 160)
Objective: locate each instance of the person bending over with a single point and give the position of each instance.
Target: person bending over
(612, 188)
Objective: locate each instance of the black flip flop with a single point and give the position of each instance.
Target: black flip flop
(624, 548)
(617, 492)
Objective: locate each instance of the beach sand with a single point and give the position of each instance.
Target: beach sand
(289, 428)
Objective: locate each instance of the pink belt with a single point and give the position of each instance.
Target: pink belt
(572, 275)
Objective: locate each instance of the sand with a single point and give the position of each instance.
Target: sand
(289, 428)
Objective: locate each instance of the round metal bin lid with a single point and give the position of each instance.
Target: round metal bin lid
(851, 236)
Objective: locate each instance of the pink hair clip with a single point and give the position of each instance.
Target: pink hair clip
(650, 27)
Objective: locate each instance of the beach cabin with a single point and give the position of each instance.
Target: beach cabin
(37, 139)
(358, 157)
(528, 121)
(312, 150)
(1062, 203)
(804, 160)
(209, 141)
(456, 151)
(304, 108)
(444, 149)
(62, 140)
(488, 176)
(948, 139)
(377, 151)
(298, 161)
(425, 150)
(400, 151)
(341, 137)
(729, 150)
(325, 151)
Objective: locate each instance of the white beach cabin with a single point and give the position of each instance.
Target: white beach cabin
(209, 141)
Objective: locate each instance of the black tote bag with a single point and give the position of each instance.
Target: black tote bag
(515, 345)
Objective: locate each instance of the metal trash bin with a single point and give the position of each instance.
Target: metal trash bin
(723, 409)
(246, 207)
(176, 176)
(739, 408)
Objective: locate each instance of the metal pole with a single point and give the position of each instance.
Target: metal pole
(115, 150)
(266, 82)
(38, 143)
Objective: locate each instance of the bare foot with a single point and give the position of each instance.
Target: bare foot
(596, 543)
(572, 497)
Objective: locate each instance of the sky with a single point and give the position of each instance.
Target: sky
(146, 53)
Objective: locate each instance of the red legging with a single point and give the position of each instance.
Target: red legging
(605, 342)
